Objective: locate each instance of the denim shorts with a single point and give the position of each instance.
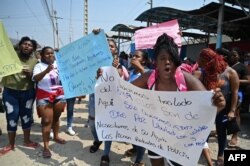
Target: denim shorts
(18, 104)
(43, 102)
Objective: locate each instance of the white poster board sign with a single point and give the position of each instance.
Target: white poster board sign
(172, 124)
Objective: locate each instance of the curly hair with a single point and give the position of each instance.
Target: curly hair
(167, 43)
(214, 65)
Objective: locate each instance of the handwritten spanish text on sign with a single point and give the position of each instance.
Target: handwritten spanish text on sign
(79, 61)
(9, 61)
(146, 38)
(172, 124)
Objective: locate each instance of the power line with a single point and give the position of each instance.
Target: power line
(32, 11)
(49, 16)
(157, 3)
(132, 11)
(34, 15)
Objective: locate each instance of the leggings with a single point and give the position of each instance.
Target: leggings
(221, 128)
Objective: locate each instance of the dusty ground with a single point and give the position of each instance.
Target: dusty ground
(76, 151)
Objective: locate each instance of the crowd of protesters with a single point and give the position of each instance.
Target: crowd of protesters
(220, 70)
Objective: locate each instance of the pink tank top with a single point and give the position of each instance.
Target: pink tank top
(179, 78)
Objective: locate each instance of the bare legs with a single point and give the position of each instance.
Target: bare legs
(234, 138)
(206, 153)
(58, 109)
(50, 119)
(46, 112)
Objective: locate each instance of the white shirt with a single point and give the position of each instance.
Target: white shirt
(50, 81)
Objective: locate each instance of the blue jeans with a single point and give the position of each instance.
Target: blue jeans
(91, 110)
(107, 147)
(92, 129)
(107, 144)
(140, 151)
(18, 103)
(70, 111)
(91, 105)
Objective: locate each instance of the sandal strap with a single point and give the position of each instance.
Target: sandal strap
(47, 153)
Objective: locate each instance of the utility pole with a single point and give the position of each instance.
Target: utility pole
(57, 35)
(151, 6)
(70, 24)
(151, 3)
(85, 32)
(220, 24)
(53, 24)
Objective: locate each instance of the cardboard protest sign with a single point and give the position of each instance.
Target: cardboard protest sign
(9, 61)
(79, 61)
(172, 124)
(146, 38)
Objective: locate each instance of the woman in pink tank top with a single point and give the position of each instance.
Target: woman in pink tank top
(169, 77)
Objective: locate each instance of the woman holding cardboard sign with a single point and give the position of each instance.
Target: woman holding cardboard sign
(19, 95)
(123, 74)
(168, 77)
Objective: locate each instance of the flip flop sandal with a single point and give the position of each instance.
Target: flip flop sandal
(230, 145)
(46, 153)
(32, 145)
(60, 141)
(234, 147)
(5, 150)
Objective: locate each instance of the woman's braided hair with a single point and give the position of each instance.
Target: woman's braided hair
(167, 43)
(214, 65)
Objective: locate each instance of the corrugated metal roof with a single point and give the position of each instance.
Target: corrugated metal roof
(244, 3)
(125, 28)
(204, 19)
